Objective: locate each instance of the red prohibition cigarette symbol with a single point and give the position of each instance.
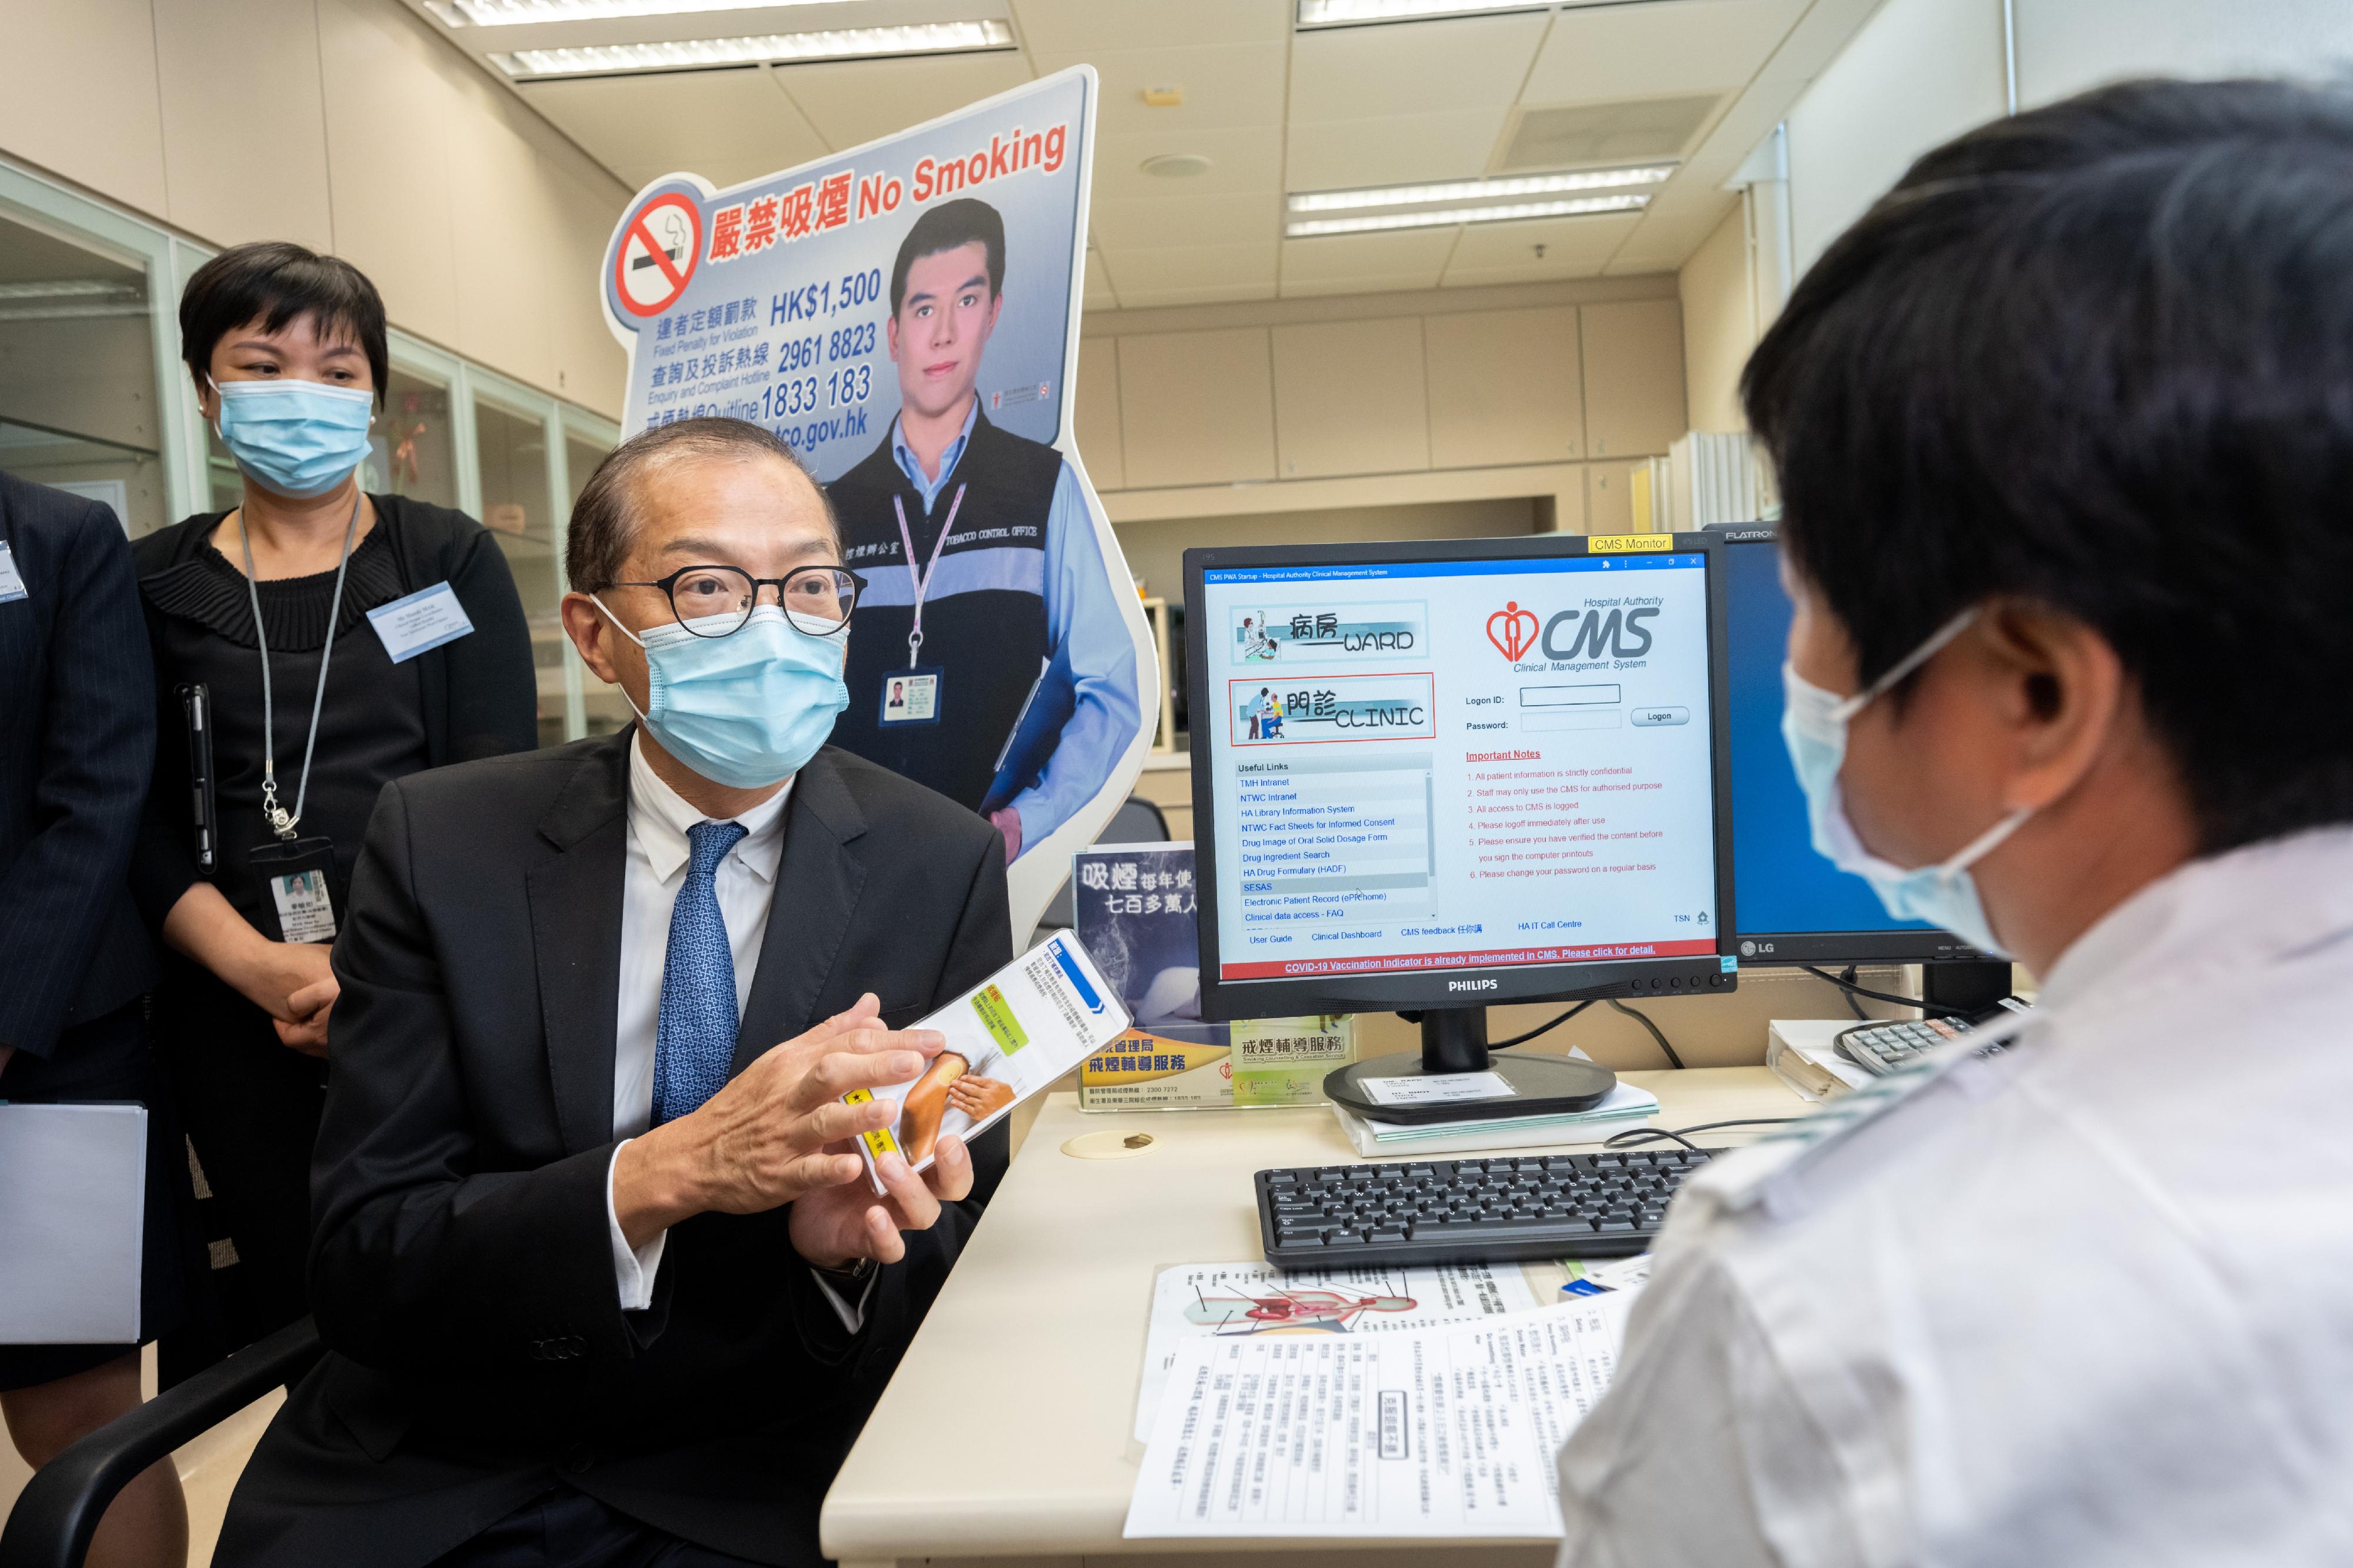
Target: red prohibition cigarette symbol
(1516, 635)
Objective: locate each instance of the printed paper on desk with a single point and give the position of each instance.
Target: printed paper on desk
(1445, 1432)
(1008, 1037)
(1203, 1301)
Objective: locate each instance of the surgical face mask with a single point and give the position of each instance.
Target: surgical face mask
(295, 438)
(746, 709)
(1814, 725)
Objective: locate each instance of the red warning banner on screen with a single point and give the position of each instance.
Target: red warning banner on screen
(1410, 962)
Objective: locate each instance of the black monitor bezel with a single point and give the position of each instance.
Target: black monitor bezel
(1470, 987)
(1822, 948)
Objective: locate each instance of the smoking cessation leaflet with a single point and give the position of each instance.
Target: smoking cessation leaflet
(1450, 764)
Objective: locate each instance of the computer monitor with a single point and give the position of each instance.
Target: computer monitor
(1793, 906)
(1432, 776)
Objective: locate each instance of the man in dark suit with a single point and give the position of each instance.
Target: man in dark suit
(602, 1282)
(77, 746)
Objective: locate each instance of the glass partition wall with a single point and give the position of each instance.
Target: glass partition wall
(93, 398)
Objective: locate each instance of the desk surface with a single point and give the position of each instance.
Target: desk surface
(1007, 1429)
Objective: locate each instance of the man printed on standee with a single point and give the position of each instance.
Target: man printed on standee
(976, 544)
(2062, 432)
(600, 1279)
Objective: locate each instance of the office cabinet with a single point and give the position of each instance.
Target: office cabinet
(1350, 397)
(1196, 408)
(1505, 386)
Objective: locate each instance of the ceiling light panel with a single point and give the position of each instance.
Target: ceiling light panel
(1480, 193)
(1436, 217)
(518, 13)
(1353, 12)
(691, 54)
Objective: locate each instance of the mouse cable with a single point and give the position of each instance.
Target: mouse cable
(1644, 1135)
(1655, 1034)
(1937, 1008)
(1845, 979)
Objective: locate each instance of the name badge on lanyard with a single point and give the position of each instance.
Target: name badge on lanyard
(11, 586)
(425, 619)
(911, 696)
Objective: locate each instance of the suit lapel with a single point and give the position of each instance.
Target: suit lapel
(810, 909)
(576, 926)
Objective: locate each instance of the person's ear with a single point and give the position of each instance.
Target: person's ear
(995, 308)
(592, 633)
(891, 335)
(2061, 698)
(208, 396)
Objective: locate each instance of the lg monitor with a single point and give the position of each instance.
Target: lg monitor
(1432, 776)
(1794, 907)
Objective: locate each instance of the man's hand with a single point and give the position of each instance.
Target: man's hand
(835, 1226)
(764, 1140)
(310, 1005)
(1007, 821)
(980, 1097)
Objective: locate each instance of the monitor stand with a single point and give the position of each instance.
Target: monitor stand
(1454, 1045)
(1971, 986)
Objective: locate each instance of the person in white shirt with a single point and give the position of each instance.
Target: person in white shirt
(2064, 430)
(599, 1271)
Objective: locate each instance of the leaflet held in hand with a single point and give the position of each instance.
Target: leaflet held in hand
(1007, 1038)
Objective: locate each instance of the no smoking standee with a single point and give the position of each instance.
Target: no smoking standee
(657, 256)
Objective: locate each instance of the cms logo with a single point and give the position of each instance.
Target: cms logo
(1469, 985)
(1572, 634)
(1512, 630)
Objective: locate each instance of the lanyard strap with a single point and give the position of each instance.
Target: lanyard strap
(922, 582)
(279, 823)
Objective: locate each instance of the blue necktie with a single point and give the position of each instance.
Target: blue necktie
(694, 1035)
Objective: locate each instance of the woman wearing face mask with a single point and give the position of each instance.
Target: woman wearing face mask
(311, 704)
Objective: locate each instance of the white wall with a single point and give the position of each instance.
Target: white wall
(345, 125)
(1719, 325)
(1921, 71)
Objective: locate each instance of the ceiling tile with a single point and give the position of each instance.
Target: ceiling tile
(1100, 295)
(861, 100)
(1167, 267)
(1395, 150)
(1662, 47)
(1064, 27)
(1133, 223)
(1505, 252)
(1225, 85)
(1350, 259)
(1411, 68)
(1245, 160)
(727, 126)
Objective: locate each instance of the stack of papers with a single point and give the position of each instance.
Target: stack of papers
(1623, 1108)
(1444, 1431)
(1803, 1054)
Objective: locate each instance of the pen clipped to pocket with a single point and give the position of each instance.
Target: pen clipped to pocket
(1008, 1037)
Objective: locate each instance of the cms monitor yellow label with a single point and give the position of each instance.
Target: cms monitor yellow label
(878, 1140)
(1628, 544)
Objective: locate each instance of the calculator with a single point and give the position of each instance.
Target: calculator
(1882, 1048)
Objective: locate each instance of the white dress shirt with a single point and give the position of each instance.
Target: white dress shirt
(654, 871)
(2088, 1301)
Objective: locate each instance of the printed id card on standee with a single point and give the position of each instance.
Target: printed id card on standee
(1008, 1037)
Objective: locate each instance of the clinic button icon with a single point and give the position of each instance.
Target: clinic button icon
(1651, 718)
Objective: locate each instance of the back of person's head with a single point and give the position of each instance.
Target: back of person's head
(950, 226)
(276, 282)
(2099, 356)
(596, 541)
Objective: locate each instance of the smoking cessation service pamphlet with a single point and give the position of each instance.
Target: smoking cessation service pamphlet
(1008, 1037)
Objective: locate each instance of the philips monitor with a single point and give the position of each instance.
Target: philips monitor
(1432, 776)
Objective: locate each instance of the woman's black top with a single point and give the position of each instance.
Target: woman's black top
(473, 696)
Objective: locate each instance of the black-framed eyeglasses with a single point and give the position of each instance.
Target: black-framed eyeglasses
(717, 601)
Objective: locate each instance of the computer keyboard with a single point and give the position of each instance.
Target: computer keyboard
(1605, 1205)
(1881, 1048)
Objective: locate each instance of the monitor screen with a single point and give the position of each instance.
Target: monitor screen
(1792, 905)
(1461, 776)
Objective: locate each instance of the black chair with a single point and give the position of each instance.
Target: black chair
(59, 1510)
(1137, 820)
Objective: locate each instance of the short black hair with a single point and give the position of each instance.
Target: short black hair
(2099, 357)
(947, 227)
(598, 539)
(275, 281)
